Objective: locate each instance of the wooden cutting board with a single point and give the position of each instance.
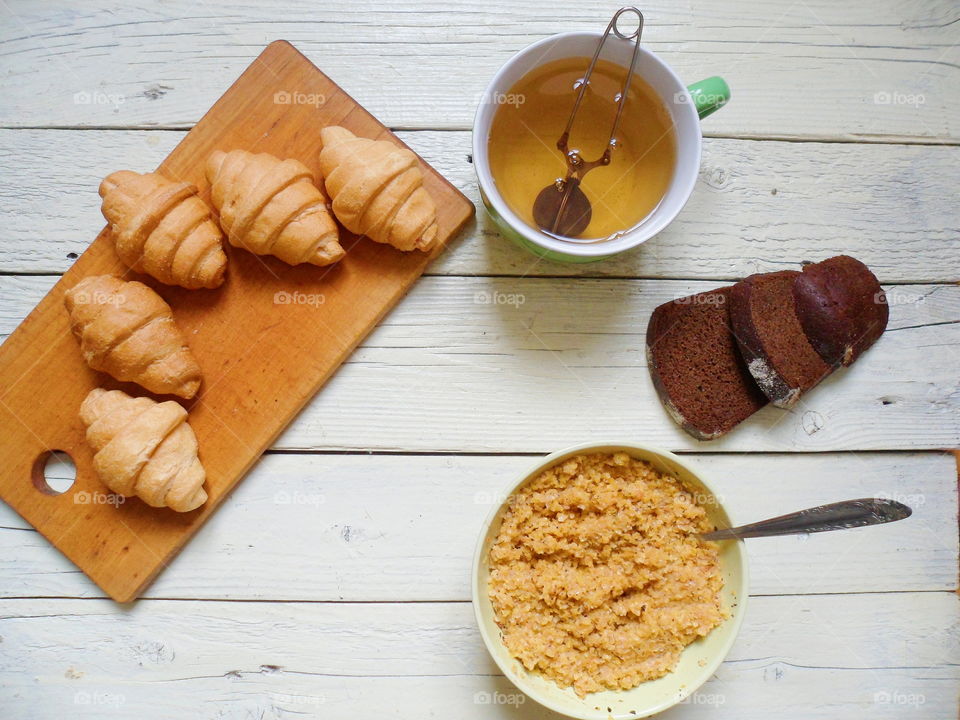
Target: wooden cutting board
(266, 341)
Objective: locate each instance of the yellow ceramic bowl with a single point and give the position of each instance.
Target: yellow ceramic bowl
(699, 660)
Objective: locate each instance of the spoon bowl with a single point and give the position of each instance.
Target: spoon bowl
(563, 209)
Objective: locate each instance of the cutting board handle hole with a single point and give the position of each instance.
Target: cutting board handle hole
(54, 472)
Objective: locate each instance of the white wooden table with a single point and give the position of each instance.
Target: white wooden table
(334, 582)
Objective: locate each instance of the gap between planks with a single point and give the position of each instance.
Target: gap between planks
(288, 601)
(508, 276)
(822, 139)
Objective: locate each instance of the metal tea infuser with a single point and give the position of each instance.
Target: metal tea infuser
(562, 208)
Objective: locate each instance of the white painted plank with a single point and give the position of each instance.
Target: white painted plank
(755, 691)
(521, 365)
(878, 656)
(375, 528)
(757, 207)
(866, 71)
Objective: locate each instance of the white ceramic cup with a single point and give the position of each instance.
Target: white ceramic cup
(685, 105)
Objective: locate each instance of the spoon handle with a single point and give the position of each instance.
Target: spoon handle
(836, 516)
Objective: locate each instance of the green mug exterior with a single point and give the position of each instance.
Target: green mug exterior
(708, 96)
(508, 232)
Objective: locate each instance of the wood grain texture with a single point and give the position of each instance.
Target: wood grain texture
(263, 353)
(403, 528)
(400, 528)
(891, 657)
(757, 206)
(532, 365)
(815, 69)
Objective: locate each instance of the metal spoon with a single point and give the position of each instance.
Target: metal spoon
(563, 208)
(836, 516)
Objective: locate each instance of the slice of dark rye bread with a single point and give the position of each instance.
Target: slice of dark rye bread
(716, 357)
(772, 340)
(842, 308)
(696, 366)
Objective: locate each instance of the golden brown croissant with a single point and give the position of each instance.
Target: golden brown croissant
(377, 190)
(163, 229)
(271, 207)
(144, 448)
(127, 330)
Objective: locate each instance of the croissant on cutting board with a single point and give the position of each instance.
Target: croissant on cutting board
(377, 190)
(272, 207)
(144, 448)
(163, 229)
(126, 330)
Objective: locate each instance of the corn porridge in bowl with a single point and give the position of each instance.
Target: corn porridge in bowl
(592, 590)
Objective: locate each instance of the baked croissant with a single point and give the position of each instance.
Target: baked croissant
(272, 207)
(377, 190)
(127, 330)
(163, 229)
(144, 448)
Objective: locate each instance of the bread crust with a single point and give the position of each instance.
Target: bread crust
(126, 330)
(771, 339)
(144, 448)
(377, 190)
(273, 207)
(162, 228)
(690, 394)
(842, 308)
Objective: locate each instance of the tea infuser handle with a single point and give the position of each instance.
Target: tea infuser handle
(577, 166)
(635, 35)
(616, 20)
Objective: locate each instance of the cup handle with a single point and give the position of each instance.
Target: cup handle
(709, 95)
